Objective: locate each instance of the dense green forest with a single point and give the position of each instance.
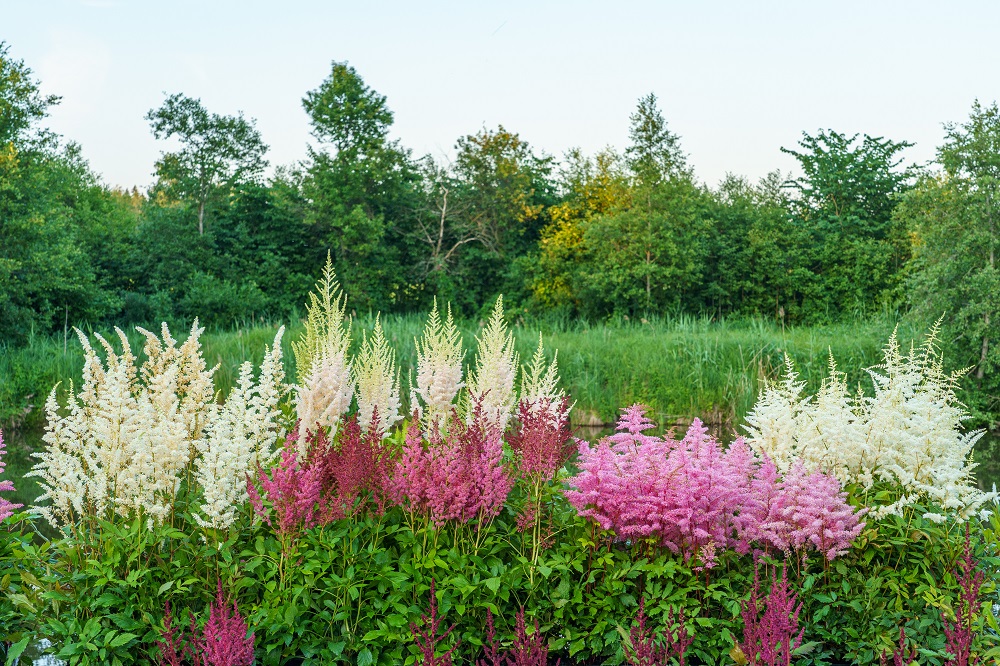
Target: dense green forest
(621, 234)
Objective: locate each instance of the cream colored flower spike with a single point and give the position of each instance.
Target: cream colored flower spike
(491, 384)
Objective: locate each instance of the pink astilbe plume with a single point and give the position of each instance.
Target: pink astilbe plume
(172, 651)
(526, 650)
(355, 473)
(427, 637)
(901, 656)
(801, 510)
(224, 640)
(960, 633)
(695, 498)
(292, 489)
(459, 477)
(686, 494)
(648, 649)
(541, 443)
(771, 627)
(6, 507)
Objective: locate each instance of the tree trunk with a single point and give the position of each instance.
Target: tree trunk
(986, 348)
(201, 217)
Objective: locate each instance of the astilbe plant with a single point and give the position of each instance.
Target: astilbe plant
(223, 641)
(959, 634)
(459, 476)
(7, 507)
(293, 490)
(377, 382)
(429, 636)
(325, 381)
(906, 434)
(800, 510)
(902, 655)
(491, 383)
(771, 626)
(439, 369)
(527, 650)
(694, 498)
(648, 649)
(541, 444)
(355, 474)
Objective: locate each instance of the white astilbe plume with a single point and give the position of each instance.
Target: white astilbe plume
(540, 384)
(377, 382)
(325, 385)
(240, 437)
(907, 433)
(491, 384)
(122, 444)
(439, 368)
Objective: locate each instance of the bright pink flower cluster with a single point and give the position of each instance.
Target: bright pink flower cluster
(694, 497)
(293, 490)
(6, 507)
(541, 438)
(458, 477)
(799, 511)
(222, 642)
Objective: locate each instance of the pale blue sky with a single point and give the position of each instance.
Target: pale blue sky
(736, 80)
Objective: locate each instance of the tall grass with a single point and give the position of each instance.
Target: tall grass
(681, 367)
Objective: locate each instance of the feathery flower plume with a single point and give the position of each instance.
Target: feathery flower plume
(901, 656)
(6, 507)
(239, 439)
(542, 444)
(907, 433)
(457, 478)
(377, 382)
(224, 640)
(649, 650)
(325, 384)
(172, 651)
(427, 637)
(771, 627)
(439, 368)
(960, 633)
(294, 491)
(540, 384)
(491, 384)
(693, 497)
(355, 473)
(527, 650)
(124, 441)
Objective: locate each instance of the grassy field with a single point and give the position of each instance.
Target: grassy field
(681, 368)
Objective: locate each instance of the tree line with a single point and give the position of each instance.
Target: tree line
(619, 233)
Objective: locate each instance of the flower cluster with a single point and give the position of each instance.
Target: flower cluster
(906, 433)
(130, 435)
(459, 476)
(6, 507)
(325, 383)
(439, 369)
(377, 382)
(541, 439)
(491, 384)
(771, 630)
(294, 491)
(647, 649)
(223, 641)
(694, 497)
(356, 472)
(239, 439)
(527, 650)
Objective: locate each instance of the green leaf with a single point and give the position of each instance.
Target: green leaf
(166, 586)
(16, 649)
(365, 657)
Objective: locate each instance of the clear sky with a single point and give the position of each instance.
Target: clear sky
(735, 79)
